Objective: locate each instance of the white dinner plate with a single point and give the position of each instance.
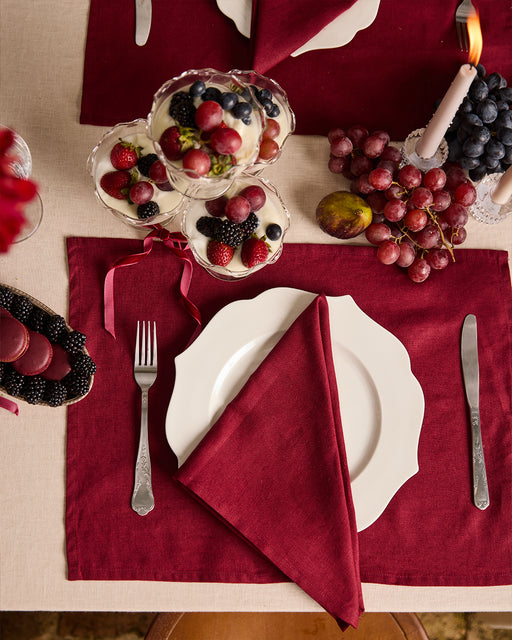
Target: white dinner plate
(381, 401)
(336, 34)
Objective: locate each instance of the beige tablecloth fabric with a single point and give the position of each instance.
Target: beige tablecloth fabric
(41, 57)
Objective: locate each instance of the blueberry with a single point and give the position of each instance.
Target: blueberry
(480, 69)
(472, 148)
(241, 110)
(454, 150)
(274, 112)
(264, 94)
(462, 134)
(267, 105)
(505, 94)
(273, 231)
(197, 88)
(493, 81)
(454, 124)
(212, 93)
(247, 120)
(228, 100)
(246, 94)
(487, 110)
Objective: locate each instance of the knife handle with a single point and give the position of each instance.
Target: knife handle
(480, 488)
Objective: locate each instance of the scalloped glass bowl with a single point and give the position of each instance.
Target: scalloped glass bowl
(273, 211)
(188, 182)
(171, 203)
(285, 119)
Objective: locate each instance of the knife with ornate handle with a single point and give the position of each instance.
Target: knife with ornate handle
(470, 370)
(142, 21)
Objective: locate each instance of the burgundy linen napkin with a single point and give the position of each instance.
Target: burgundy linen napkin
(280, 27)
(387, 77)
(274, 468)
(429, 534)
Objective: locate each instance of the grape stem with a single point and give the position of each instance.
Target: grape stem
(446, 244)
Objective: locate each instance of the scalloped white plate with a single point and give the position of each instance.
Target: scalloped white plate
(381, 401)
(336, 34)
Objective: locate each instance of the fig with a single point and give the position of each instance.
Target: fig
(343, 214)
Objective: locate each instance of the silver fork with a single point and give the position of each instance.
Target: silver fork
(464, 10)
(145, 372)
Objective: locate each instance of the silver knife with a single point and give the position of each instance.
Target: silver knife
(470, 370)
(142, 21)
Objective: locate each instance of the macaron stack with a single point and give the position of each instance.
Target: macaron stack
(42, 360)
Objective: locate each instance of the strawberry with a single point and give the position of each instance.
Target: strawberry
(219, 253)
(124, 155)
(115, 183)
(254, 251)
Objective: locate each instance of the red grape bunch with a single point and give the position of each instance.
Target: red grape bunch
(418, 217)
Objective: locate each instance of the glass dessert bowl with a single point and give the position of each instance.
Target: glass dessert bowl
(280, 123)
(129, 179)
(207, 128)
(238, 233)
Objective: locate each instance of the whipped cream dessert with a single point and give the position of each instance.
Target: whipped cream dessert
(272, 213)
(249, 131)
(167, 201)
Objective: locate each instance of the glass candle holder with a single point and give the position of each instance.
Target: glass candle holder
(409, 155)
(484, 208)
(240, 112)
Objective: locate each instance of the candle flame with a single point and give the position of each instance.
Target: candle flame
(475, 39)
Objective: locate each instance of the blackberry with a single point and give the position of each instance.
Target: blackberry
(37, 319)
(33, 389)
(6, 297)
(147, 210)
(73, 342)
(3, 369)
(55, 393)
(13, 382)
(208, 226)
(21, 308)
(55, 328)
(83, 364)
(145, 162)
(229, 233)
(182, 109)
(249, 225)
(76, 384)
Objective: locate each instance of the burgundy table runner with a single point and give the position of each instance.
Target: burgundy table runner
(430, 533)
(387, 77)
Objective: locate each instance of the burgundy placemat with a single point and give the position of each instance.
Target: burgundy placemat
(387, 77)
(430, 534)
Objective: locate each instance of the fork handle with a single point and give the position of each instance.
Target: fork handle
(142, 497)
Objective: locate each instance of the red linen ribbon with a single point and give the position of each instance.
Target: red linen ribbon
(177, 243)
(9, 405)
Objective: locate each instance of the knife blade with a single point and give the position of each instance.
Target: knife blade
(142, 21)
(470, 370)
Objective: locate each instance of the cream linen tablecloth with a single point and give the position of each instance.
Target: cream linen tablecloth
(42, 48)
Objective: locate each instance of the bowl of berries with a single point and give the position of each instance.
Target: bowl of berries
(238, 233)
(280, 122)
(130, 180)
(207, 128)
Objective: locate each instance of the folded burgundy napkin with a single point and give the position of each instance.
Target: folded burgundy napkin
(280, 27)
(274, 468)
(429, 534)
